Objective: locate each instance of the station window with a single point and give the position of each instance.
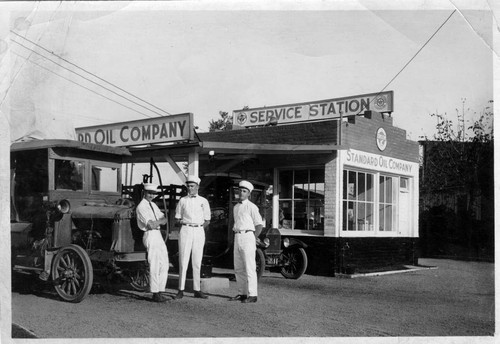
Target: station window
(104, 179)
(69, 174)
(358, 201)
(387, 203)
(302, 199)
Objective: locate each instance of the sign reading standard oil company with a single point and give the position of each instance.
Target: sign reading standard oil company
(317, 110)
(155, 130)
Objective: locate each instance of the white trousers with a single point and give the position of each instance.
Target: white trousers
(157, 259)
(191, 242)
(244, 263)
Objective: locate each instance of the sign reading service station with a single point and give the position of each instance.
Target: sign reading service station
(155, 130)
(317, 110)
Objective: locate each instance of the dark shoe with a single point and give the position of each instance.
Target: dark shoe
(200, 295)
(157, 297)
(180, 295)
(250, 299)
(238, 298)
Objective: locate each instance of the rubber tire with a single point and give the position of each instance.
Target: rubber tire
(139, 279)
(70, 259)
(260, 261)
(295, 259)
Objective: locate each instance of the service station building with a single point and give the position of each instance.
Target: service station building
(338, 175)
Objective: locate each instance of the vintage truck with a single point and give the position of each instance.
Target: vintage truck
(68, 218)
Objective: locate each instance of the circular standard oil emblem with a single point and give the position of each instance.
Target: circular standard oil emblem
(381, 139)
(241, 118)
(380, 102)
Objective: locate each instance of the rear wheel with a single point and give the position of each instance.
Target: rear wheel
(72, 273)
(260, 261)
(139, 279)
(295, 262)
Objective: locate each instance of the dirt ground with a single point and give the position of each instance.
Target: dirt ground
(456, 299)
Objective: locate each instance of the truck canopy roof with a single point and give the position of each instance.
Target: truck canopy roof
(42, 144)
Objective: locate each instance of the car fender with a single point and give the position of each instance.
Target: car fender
(296, 243)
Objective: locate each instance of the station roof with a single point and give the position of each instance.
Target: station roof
(305, 138)
(44, 144)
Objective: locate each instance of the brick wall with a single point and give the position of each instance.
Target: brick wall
(360, 133)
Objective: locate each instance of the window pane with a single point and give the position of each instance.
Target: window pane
(369, 217)
(285, 216)
(68, 174)
(286, 184)
(381, 189)
(104, 179)
(361, 216)
(300, 215)
(316, 214)
(351, 216)
(301, 184)
(381, 217)
(388, 194)
(361, 186)
(351, 186)
(388, 218)
(369, 187)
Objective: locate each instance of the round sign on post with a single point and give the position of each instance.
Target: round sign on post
(381, 139)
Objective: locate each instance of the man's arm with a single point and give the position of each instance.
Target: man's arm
(206, 214)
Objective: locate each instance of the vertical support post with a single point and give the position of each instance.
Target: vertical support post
(193, 163)
(276, 196)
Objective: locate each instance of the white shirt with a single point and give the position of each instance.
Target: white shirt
(193, 210)
(145, 213)
(246, 216)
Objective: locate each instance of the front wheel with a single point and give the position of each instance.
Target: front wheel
(72, 273)
(260, 261)
(295, 262)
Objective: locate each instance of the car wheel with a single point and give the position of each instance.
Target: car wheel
(72, 273)
(295, 262)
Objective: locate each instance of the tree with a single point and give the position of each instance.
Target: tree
(458, 164)
(458, 153)
(223, 123)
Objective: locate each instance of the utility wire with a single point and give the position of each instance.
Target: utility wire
(51, 71)
(94, 75)
(110, 90)
(415, 55)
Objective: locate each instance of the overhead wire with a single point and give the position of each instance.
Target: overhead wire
(412, 58)
(21, 67)
(74, 82)
(93, 74)
(88, 79)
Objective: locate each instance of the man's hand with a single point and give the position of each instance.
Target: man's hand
(206, 224)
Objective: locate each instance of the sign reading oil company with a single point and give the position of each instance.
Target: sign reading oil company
(383, 163)
(317, 110)
(155, 130)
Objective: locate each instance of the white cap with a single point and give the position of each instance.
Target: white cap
(193, 179)
(246, 185)
(151, 187)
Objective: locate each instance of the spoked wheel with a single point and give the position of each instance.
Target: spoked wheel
(260, 261)
(139, 279)
(72, 273)
(295, 262)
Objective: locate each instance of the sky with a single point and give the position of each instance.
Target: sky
(209, 57)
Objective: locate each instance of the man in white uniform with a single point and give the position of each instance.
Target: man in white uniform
(193, 214)
(149, 219)
(247, 226)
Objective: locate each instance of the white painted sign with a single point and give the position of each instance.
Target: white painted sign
(155, 130)
(381, 139)
(382, 163)
(317, 110)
